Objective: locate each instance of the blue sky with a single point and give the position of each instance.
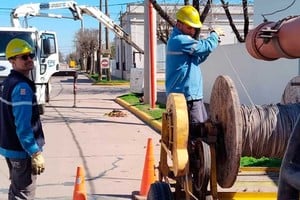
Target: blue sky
(66, 28)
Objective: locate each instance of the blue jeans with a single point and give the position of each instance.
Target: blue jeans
(23, 183)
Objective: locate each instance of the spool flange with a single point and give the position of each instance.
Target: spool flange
(225, 110)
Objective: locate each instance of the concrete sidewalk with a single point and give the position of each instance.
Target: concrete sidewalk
(111, 149)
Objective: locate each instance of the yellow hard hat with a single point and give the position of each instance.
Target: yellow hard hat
(17, 47)
(189, 16)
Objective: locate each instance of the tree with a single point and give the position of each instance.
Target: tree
(61, 57)
(87, 44)
(246, 19)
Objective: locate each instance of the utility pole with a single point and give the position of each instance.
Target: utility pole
(107, 47)
(121, 59)
(106, 29)
(100, 45)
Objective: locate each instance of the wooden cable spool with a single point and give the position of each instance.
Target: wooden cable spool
(255, 131)
(175, 135)
(227, 113)
(174, 141)
(164, 168)
(225, 109)
(291, 92)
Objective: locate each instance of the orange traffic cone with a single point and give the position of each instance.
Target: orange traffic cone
(79, 188)
(148, 172)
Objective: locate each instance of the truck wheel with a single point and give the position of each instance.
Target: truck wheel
(47, 93)
(41, 109)
(160, 191)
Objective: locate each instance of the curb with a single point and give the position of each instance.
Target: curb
(144, 117)
(260, 169)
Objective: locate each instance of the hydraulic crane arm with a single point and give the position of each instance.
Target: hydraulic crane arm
(77, 11)
(104, 19)
(33, 9)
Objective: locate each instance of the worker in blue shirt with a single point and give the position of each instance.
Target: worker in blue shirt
(183, 58)
(21, 133)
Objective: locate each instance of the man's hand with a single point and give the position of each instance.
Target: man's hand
(37, 163)
(219, 31)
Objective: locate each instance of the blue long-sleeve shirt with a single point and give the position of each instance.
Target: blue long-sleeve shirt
(21, 133)
(184, 56)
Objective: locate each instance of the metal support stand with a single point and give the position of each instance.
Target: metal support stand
(75, 76)
(212, 139)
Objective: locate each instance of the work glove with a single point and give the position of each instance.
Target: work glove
(37, 163)
(219, 31)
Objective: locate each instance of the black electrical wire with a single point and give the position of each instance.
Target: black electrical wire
(277, 11)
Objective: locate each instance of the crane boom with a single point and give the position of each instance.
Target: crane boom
(109, 23)
(77, 11)
(33, 9)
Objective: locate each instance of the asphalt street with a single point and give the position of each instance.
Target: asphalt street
(110, 149)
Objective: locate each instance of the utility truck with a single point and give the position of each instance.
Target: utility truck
(45, 42)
